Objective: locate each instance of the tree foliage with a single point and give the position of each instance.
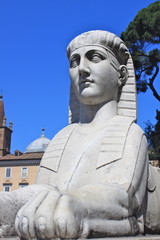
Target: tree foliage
(142, 37)
(153, 136)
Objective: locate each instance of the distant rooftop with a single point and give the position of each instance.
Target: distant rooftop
(25, 156)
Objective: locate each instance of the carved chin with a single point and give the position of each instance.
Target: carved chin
(89, 97)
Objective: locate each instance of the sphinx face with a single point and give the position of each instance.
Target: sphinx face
(93, 77)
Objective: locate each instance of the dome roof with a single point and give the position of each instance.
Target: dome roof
(39, 145)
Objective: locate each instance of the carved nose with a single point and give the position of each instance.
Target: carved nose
(83, 69)
(84, 72)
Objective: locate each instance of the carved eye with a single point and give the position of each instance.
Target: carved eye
(95, 57)
(74, 61)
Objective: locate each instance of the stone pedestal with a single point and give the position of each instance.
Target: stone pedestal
(146, 237)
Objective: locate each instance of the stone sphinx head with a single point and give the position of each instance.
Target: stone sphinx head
(116, 72)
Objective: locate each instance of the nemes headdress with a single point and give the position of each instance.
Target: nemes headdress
(117, 48)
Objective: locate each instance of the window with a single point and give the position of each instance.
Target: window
(23, 185)
(8, 172)
(24, 172)
(7, 187)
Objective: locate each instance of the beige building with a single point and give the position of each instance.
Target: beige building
(18, 169)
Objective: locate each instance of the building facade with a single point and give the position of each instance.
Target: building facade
(18, 169)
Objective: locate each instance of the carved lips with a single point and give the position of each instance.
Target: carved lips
(85, 82)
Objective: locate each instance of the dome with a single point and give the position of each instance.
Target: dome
(39, 145)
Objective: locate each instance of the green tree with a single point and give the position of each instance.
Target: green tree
(153, 136)
(142, 37)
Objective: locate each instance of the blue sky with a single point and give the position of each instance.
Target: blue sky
(34, 77)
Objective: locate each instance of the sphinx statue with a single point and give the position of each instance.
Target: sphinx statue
(94, 179)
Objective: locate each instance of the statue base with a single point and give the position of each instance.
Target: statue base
(140, 237)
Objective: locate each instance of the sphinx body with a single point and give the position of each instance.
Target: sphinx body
(95, 179)
(90, 197)
(108, 192)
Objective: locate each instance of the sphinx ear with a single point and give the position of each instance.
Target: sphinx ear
(123, 75)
